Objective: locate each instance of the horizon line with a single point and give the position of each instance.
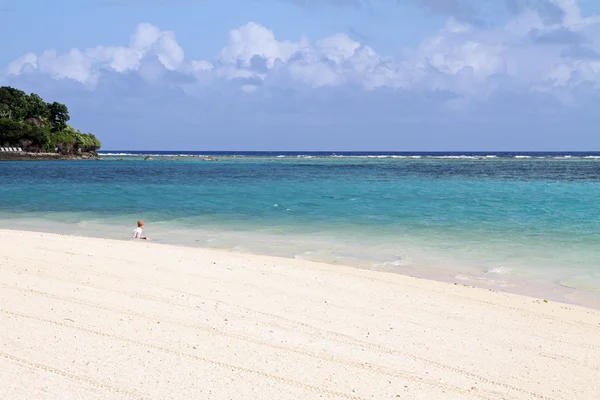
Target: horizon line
(358, 151)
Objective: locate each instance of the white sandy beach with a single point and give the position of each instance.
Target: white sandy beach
(84, 318)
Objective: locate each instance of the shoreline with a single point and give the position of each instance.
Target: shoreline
(24, 156)
(526, 286)
(521, 286)
(138, 319)
(334, 267)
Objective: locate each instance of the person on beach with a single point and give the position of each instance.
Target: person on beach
(137, 232)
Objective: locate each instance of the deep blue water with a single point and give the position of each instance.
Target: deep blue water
(495, 216)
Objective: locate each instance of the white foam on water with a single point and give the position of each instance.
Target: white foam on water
(389, 265)
(500, 271)
(141, 155)
(455, 157)
(84, 224)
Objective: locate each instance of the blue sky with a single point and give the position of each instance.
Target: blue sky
(338, 75)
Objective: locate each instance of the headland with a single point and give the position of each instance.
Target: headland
(32, 129)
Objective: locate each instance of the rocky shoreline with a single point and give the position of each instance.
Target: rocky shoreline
(24, 156)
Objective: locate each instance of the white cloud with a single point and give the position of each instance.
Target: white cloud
(87, 66)
(24, 63)
(253, 40)
(526, 54)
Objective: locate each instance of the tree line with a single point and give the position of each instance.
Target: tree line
(28, 122)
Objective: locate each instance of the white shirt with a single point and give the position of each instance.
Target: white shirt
(136, 231)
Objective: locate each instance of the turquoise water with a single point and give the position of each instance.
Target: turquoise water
(500, 221)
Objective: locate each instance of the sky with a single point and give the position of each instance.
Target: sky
(321, 75)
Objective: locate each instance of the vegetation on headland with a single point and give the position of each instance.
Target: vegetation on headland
(28, 122)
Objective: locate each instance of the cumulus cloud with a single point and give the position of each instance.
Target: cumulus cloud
(530, 53)
(86, 66)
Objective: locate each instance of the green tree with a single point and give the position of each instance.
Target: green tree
(36, 137)
(10, 131)
(36, 107)
(15, 100)
(5, 111)
(58, 115)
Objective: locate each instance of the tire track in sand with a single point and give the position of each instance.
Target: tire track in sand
(366, 366)
(221, 364)
(24, 363)
(322, 333)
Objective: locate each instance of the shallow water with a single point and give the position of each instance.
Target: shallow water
(512, 221)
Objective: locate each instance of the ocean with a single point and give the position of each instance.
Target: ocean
(520, 222)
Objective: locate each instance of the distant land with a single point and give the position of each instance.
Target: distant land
(32, 129)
